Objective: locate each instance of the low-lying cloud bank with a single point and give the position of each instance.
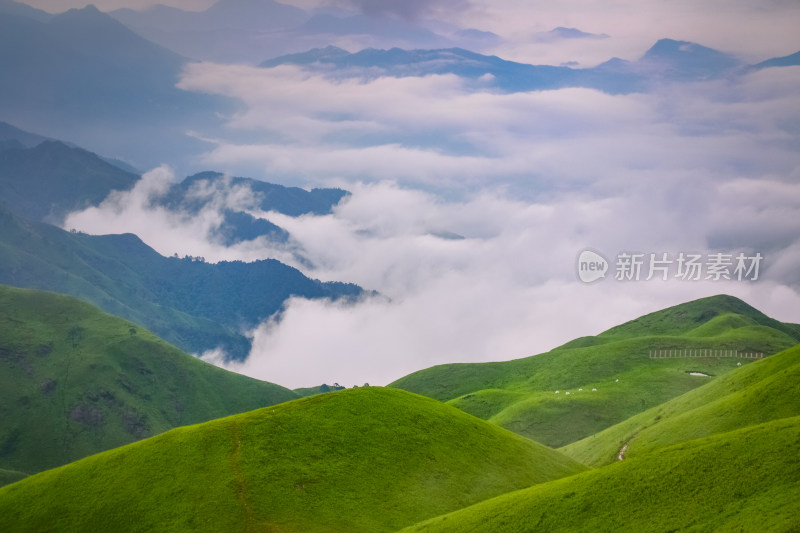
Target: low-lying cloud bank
(490, 278)
(508, 289)
(468, 209)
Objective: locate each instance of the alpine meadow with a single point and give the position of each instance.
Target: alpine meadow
(341, 266)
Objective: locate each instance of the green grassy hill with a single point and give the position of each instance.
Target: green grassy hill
(746, 480)
(367, 459)
(765, 390)
(75, 381)
(604, 380)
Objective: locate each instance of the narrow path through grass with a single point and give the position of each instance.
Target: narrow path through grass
(241, 485)
(621, 454)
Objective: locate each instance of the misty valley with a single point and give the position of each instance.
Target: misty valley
(377, 266)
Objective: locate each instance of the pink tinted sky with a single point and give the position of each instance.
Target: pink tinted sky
(754, 29)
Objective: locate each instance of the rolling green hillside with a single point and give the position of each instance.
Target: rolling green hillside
(75, 381)
(759, 392)
(746, 480)
(366, 459)
(693, 319)
(592, 383)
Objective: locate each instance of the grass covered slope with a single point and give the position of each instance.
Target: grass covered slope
(745, 480)
(520, 395)
(765, 390)
(366, 459)
(75, 381)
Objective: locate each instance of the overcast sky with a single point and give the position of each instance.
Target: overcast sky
(755, 29)
(527, 180)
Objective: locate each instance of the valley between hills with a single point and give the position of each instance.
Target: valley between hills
(109, 428)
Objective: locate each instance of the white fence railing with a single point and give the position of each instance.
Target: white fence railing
(703, 352)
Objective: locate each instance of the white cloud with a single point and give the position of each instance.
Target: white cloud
(507, 290)
(177, 231)
(529, 179)
(436, 131)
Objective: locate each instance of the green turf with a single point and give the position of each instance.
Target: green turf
(75, 381)
(764, 390)
(520, 395)
(746, 480)
(368, 459)
(680, 319)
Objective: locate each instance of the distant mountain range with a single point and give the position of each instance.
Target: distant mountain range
(248, 30)
(667, 61)
(86, 67)
(44, 180)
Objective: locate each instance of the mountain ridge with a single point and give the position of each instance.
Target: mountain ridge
(47, 181)
(667, 60)
(591, 383)
(122, 275)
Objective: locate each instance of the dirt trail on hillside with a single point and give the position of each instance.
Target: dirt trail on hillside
(621, 454)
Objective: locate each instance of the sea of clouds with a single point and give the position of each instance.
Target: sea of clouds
(469, 208)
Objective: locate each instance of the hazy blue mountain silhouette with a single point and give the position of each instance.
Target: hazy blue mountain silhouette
(43, 179)
(239, 226)
(292, 201)
(785, 61)
(9, 7)
(667, 61)
(51, 179)
(84, 67)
